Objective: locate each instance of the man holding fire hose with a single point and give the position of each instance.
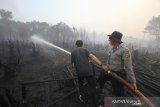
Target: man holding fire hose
(120, 62)
(80, 57)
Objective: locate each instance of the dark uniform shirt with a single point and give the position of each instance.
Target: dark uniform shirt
(119, 59)
(81, 62)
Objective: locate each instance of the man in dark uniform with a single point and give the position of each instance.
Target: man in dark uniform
(80, 57)
(120, 62)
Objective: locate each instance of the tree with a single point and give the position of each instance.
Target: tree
(153, 27)
(5, 14)
(5, 29)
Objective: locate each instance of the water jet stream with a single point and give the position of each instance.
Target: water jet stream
(38, 39)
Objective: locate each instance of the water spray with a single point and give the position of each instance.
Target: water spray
(38, 39)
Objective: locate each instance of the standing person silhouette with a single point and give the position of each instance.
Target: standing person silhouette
(120, 62)
(80, 58)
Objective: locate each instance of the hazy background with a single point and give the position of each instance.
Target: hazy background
(102, 16)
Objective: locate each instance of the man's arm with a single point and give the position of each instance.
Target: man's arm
(98, 62)
(95, 59)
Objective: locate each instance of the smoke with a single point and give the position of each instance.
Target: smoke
(37, 39)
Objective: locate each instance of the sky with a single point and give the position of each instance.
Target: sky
(102, 16)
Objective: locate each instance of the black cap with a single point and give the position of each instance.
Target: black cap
(116, 36)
